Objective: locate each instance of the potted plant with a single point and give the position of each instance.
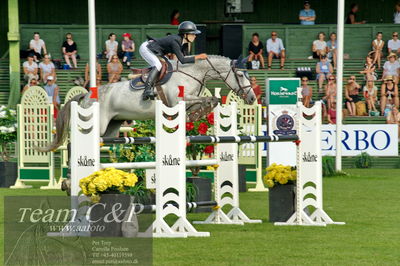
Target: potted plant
(8, 136)
(281, 182)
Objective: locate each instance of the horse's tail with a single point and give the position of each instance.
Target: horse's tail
(62, 125)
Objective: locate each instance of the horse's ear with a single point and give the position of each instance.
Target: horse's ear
(240, 62)
(234, 63)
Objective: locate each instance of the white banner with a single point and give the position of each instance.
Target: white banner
(376, 140)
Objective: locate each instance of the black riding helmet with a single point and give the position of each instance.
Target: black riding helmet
(188, 27)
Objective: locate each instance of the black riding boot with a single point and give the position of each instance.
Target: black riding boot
(148, 86)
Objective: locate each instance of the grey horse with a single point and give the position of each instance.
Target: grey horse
(118, 102)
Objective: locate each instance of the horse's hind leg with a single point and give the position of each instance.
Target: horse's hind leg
(113, 128)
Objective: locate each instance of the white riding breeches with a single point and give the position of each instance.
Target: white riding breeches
(149, 57)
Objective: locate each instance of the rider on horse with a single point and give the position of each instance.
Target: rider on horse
(177, 44)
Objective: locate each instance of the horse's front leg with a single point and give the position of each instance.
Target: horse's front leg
(199, 106)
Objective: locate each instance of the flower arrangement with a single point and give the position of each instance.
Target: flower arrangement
(8, 130)
(278, 174)
(107, 180)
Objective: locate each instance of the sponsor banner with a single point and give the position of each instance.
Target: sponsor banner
(376, 140)
(282, 90)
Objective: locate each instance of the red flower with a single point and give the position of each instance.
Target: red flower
(209, 149)
(188, 144)
(134, 129)
(202, 128)
(210, 118)
(189, 126)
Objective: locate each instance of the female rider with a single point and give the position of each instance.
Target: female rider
(176, 44)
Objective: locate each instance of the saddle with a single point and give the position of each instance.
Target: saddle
(140, 75)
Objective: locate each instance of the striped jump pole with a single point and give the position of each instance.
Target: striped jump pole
(139, 208)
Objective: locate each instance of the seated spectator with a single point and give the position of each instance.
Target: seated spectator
(352, 90)
(370, 95)
(319, 47)
(330, 92)
(307, 15)
(393, 117)
(114, 70)
(388, 107)
(47, 68)
(352, 16)
(70, 50)
(332, 113)
(377, 48)
(256, 88)
(389, 90)
(392, 68)
(369, 69)
(256, 50)
(36, 45)
(324, 70)
(111, 47)
(275, 49)
(332, 48)
(32, 83)
(306, 92)
(30, 69)
(98, 74)
(128, 48)
(396, 16)
(53, 93)
(394, 44)
(174, 19)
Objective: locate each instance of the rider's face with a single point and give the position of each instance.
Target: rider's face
(191, 37)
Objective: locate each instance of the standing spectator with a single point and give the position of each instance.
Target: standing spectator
(256, 50)
(369, 69)
(256, 88)
(53, 93)
(389, 90)
(98, 74)
(70, 50)
(394, 44)
(307, 15)
(114, 70)
(111, 46)
(396, 16)
(128, 47)
(377, 48)
(393, 117)
(332, 48)
(319, 47)
(275, 49)
(32, 83)
(174, 19)
(47, 68)
(352, 16)
(324, 70)
(392, 68)
(332, 113)
(306, 92)
(352, 89)
(36, 45)
(30, 69)
(370, 95)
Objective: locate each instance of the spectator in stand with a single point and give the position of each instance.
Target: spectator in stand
(307, 15)
(111, 47)
(275, 49)
(36, 45)
(319, 47)
(389, 90)
(256, 88)
(332, 48)
(332, 113)
(394, 44)
(128, 48)
(256, 49)
(174, 20)
(324, 70)
(392, 68)
(370, 95)
(330, 92)
(394, 118)
(306, 92)
(47, 68)
(369, 69)
(30, 69)
(70, 50)
(352, 16)
(377, 49)
(388, 107)
(32, 83)
(114, 69)
(53, 93)
(352, 90)
(396, 16)
(98, 74)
